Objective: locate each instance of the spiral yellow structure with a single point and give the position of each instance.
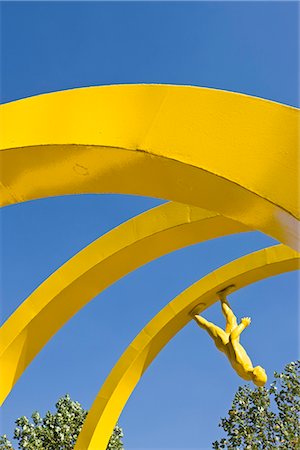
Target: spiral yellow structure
(125, 248)
(224, 152)
(130, 368)
(217, 150)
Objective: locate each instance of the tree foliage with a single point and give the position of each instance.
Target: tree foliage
(265, 418)
(58, 431)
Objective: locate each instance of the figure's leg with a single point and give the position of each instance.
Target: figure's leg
(235, 334)
(218, 335)
(239, 353)
(231, 322)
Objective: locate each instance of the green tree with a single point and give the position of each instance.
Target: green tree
(265, 418)
(58, 431)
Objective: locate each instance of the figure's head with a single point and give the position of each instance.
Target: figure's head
(259, 376)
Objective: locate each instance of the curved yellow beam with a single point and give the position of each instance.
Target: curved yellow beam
(128, 371)
(218, 150)
(107, 259)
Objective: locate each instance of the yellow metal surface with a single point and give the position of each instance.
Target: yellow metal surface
(228, 342)
(142, 239)
(124, 377)
(218, 150)
(226, 152)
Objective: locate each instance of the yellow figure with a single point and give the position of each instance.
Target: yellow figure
(228, 342)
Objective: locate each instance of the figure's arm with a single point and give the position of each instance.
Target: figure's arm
(245, 322)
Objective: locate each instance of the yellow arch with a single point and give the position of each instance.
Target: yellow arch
(226, 152)
(126, 374)
(218, 150)
(144, 238)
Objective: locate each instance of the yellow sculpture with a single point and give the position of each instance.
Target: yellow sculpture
(203, 147)
(142, 351)
(228, 342)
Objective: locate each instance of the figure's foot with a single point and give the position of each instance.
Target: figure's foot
(199, 318)
(224, 292)
(246, 321)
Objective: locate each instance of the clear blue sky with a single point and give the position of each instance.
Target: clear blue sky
(248, 47)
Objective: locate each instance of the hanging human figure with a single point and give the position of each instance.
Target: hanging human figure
(228, 342)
